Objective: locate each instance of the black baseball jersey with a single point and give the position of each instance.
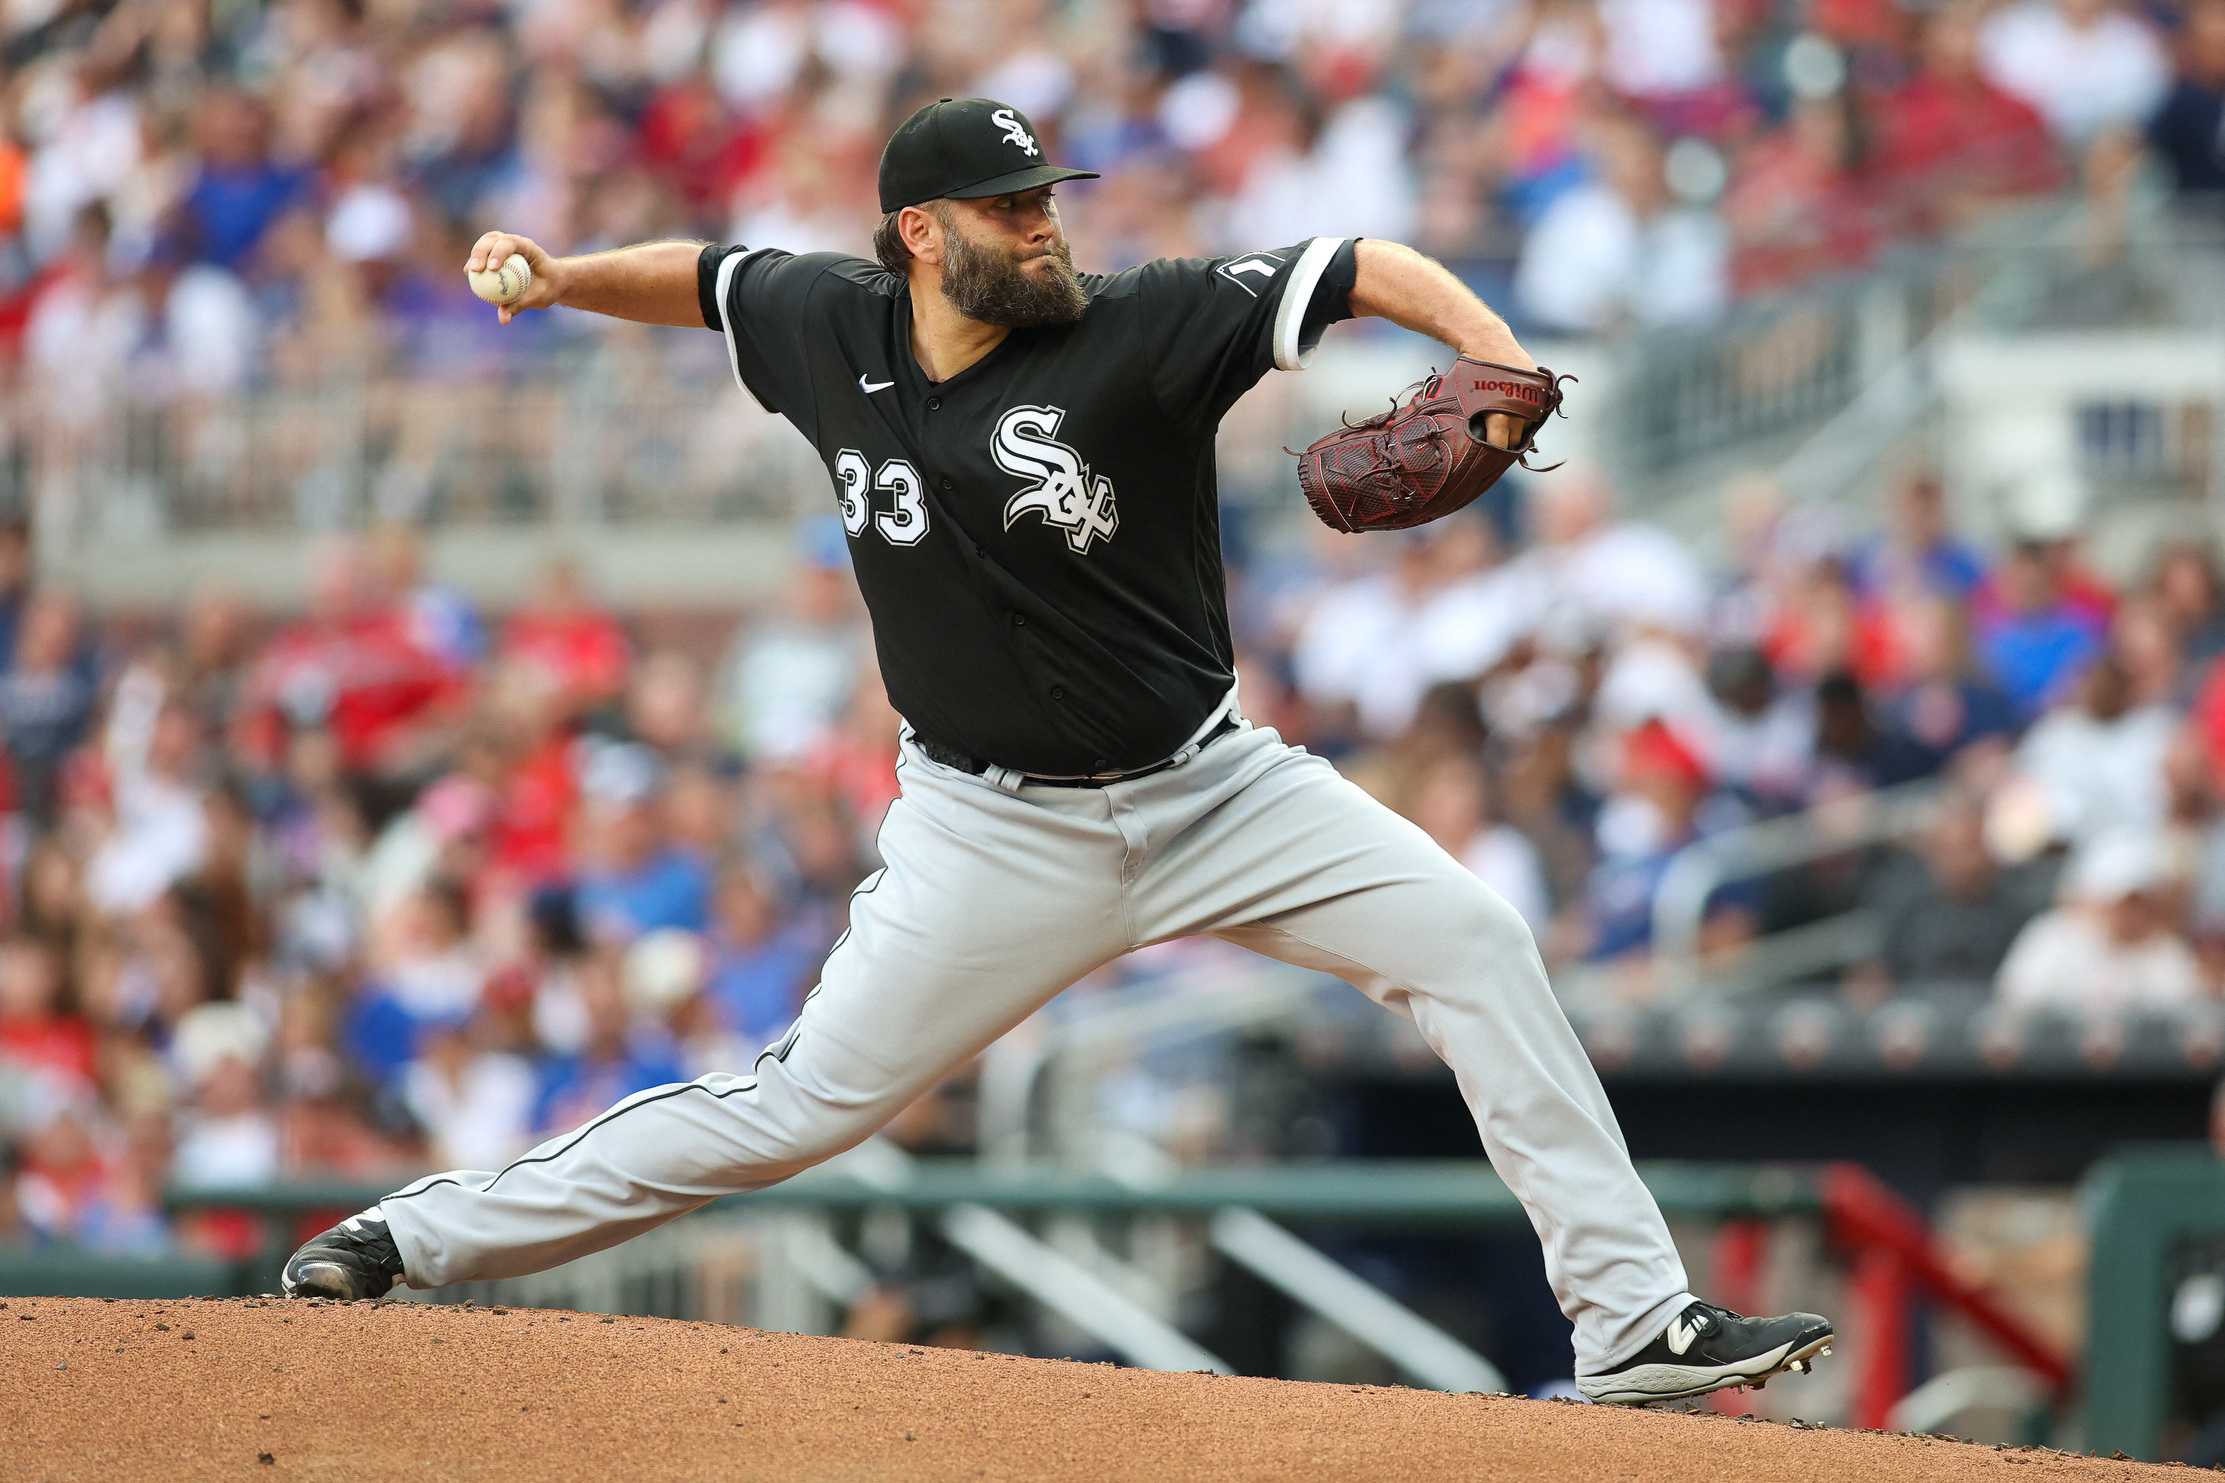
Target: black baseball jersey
(1038, 537)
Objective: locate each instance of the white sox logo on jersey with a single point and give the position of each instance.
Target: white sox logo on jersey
(1064, 493)
(1014, 131)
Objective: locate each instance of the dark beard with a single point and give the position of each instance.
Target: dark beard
(985, 283)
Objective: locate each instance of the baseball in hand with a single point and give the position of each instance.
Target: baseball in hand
(505, 283)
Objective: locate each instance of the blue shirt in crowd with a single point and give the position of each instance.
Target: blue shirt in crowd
(2035, 656)
(230, 207)
(672, 889)
(575, 1089)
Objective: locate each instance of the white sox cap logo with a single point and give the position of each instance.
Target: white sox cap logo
(1014, 131)
(1064, 493)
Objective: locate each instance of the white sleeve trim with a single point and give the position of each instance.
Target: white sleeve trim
(724, 285)
(1297, 297)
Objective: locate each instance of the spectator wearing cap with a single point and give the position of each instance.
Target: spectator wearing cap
(1759, 737)
(225, 1136)
(636, 878)
(667, 976)
(61, 1173)
(1648, 819)
(2110, 945)
(788, 678)
(433, 839)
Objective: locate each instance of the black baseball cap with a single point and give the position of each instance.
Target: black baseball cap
(963, 149)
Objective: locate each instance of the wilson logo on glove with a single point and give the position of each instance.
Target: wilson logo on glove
(1420, 462)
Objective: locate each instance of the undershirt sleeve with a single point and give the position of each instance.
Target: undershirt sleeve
(1332, 296)
(706, 283)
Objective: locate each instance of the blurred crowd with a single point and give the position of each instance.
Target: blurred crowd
(394, 883)
(388, 884)
(198, 197)
(1569, 715)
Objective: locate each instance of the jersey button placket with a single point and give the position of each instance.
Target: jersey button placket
(934, 404)
(1058, 693)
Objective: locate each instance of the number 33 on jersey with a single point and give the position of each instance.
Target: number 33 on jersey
(904, 521)
(1060, 486)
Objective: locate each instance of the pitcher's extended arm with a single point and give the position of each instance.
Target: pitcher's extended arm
(1419, 293)
(653, 282)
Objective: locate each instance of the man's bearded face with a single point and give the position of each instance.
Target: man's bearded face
(992, 284)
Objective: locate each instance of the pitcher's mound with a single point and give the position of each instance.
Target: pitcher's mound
(269, 1389)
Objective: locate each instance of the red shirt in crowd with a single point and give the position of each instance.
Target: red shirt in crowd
(582, 651)
(50, 1042)
(529, 833)
(366, 679)
(1950, 139)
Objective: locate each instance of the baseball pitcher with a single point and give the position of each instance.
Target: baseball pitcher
(1023, 459)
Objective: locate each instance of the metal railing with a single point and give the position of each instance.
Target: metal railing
(1701, 869)
(770, 1257)
(647, 426)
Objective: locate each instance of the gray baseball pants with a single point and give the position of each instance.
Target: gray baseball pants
(997, 896)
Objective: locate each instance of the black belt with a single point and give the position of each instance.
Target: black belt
(952, 757)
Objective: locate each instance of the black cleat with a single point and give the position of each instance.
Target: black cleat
(1708, 1348)
(355, 1259)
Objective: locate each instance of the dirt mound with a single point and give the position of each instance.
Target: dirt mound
(267, 1389)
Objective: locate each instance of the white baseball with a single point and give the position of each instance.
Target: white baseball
(505, 283)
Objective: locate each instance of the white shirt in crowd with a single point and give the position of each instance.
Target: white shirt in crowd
(161, 836)
(1375, 644)
(2065, 959)
(481, 1120)
(1626, 574)
(1659, 48)
(241, 1149)
(2099, 775)
(2082, 79)
(1591, 263)
(1502, 857)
